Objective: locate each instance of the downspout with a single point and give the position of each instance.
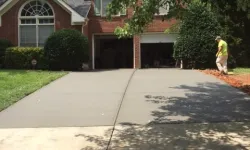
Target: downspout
(85, 66)
(86, 20)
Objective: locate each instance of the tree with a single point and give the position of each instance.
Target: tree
(4, 44)
(234, 16)
(144, 13)
(196, 41)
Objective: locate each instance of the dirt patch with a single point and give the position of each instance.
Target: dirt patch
(241, 82)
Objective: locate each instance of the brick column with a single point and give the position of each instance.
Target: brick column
(87, 32)
(137, 52)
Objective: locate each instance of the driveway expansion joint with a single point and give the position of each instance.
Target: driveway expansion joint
(119, 108)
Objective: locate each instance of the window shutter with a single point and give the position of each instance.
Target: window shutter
(28, 35)
(97, 7)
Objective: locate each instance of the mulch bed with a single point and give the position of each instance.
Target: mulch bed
(241, 82)
(245, 78)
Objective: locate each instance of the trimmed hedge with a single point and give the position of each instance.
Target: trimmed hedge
(196, 42)
(4, 44)
(66, 49)
(21, 57)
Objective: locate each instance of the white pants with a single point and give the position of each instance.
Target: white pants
(221, 63)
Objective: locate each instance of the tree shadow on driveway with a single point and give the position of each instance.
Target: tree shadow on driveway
(218, 136)
(203, 103)
(211, 116)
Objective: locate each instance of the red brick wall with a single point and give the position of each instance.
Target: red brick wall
(9, 28)
(137, 52)
(99, 25)
(96, 25)
(160, 26)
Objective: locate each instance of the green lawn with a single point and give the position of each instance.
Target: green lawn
(241, 70)
(16, 84)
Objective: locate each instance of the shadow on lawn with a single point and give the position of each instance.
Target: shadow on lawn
(178, 122)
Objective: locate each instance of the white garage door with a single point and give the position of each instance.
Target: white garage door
(158, 38)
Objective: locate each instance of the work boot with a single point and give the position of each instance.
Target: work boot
(225, 73)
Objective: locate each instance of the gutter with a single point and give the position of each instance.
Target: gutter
(85, 22)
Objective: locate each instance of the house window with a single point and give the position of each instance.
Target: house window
(163, 10)
(101, 8)
(36, 23)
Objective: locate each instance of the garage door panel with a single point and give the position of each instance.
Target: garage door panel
(158, 38)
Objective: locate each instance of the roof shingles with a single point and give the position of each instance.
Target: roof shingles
(82, 7)
(2, 1)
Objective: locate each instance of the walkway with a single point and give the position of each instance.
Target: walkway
(121, 109)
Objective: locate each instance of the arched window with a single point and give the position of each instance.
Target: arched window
(36, 23)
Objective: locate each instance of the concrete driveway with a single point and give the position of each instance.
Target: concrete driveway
(122, 109)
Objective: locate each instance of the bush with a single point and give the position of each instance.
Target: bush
(4, 44)
(196, 41)
(21, 57)
(66, 49)
(231, 62)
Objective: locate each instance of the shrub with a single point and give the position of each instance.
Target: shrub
(66, 49)
(231, 62)
(21, 57)
(196, 42)
(4, 44)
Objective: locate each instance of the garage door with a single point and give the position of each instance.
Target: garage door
(158, 38)
(113, 53)
(157, 50)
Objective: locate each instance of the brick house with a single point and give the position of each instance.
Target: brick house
(30, 22)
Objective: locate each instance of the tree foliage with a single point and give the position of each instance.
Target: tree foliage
(144, 12)
(4, 44)
(234, 16)
(196, 41)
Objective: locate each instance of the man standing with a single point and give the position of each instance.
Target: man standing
(222, 55)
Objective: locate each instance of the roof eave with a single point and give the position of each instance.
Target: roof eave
(5, 7)
(75, 17)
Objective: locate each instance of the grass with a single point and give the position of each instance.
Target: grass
(241, 71)
(16, 84)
